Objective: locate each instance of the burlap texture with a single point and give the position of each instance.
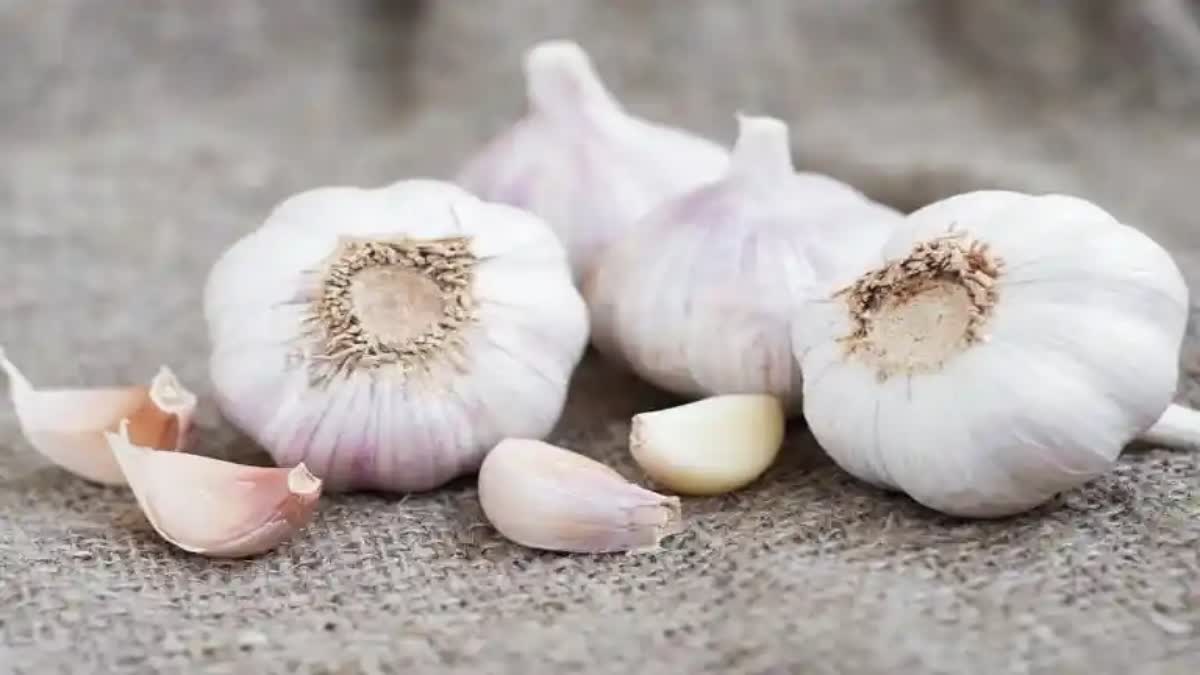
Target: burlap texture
(138, 139)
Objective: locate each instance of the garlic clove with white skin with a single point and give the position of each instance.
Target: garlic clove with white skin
(67, 425)
(579, 160)
(699, 297)
(1008, 350)
(390, 337)
(543, 496)
(709, 447)
(213, 507)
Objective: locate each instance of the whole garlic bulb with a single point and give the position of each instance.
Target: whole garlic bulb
(580, 161)
(699, 297)
(1007, 350)
(389, 337)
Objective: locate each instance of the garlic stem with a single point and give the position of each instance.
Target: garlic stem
(763, 149)
(561, 80)
(1179, 427)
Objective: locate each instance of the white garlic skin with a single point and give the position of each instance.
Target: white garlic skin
(699, 298)
(1078, 357)
(378, 428)
(583, 163)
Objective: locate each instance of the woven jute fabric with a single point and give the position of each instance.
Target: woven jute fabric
(138, 139)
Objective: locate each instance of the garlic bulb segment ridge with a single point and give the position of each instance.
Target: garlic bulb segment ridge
(709, 447)
(1007, 350)
(542, 496)
(699, 298)
(213, 507)
(67, 426)
(389, 337)
(579, 160)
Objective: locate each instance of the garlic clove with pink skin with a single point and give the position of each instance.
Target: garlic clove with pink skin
(543, 496)
(67, 426)
(579, 160)
(700, 296)
(213, 507)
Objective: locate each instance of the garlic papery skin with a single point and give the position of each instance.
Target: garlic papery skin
(67, 425)
(579, 160)
(212, 507)
(709, 447)
(699, 297)
(542, 496)
(1007, 350)
(389, 337)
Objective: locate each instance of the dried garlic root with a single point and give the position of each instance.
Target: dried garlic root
(542, 496)
(709, 447)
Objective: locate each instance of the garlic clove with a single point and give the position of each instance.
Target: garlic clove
(67, 425)
(542, 496)
(1178, 427)
(729, 263)
(213, 507)
(711, 446)
(579, 160)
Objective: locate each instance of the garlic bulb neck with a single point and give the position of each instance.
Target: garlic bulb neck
(913, 314)
(561, 80)
(762, 150)
(398, 302)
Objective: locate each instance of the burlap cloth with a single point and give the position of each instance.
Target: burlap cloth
(138, 139)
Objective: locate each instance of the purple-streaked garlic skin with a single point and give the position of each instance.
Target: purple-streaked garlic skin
(700, 296)
(583, 163)
(330, 346)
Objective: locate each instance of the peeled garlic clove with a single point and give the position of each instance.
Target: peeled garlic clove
(699, 297)
(389, 337)
(546, 497)
(583, 163)
(212, 507)
(709, 447)
(67, 425)
(1007, 350)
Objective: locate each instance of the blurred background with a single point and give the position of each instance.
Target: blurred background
(139, 138)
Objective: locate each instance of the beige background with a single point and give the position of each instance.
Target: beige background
(138, 138)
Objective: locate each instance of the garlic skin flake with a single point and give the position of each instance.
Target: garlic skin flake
(389, 337)
(67, 426)
(1007, 351)
(579, 160)
(213, 507)
(709, 447)
(699, 298)
(542, 496)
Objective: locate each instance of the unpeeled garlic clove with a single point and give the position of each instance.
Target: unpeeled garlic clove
(546, 497)
(711, 446)
(67, 425)
(213, 507)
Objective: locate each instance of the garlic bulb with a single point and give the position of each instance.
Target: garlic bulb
(67, 426)
(709, 447)
(1007, 350)
(580, 161)
(546, 497)
(212, 507)
(698, 299)
(389, 337)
